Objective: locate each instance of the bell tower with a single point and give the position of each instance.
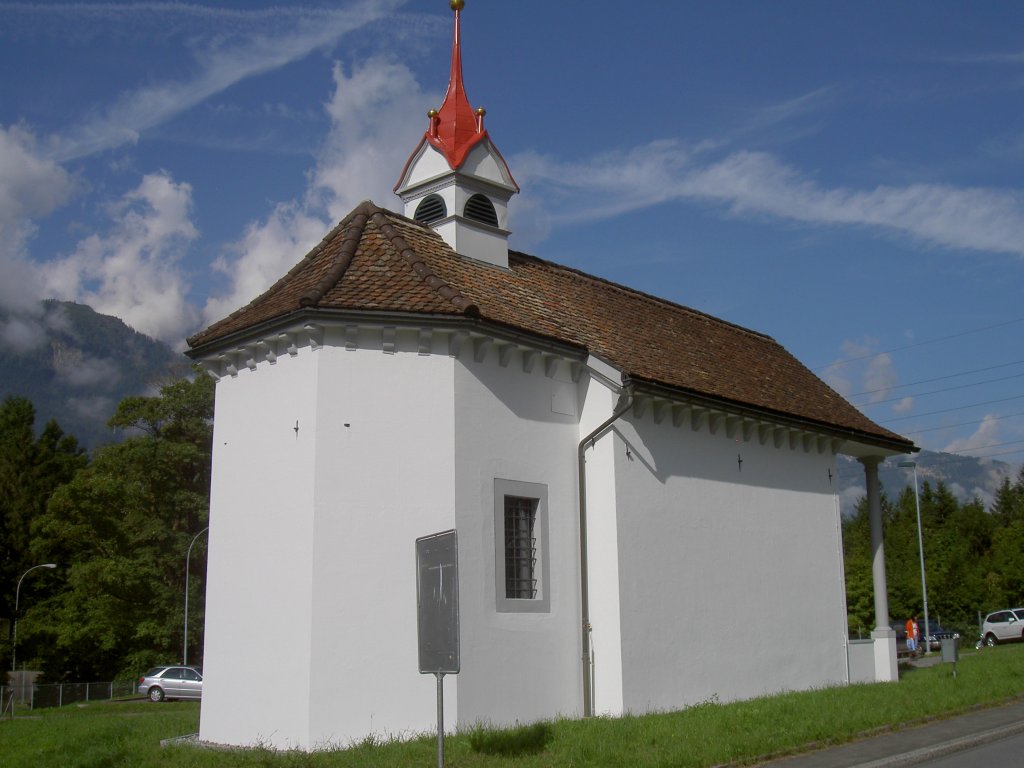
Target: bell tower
(456, 180)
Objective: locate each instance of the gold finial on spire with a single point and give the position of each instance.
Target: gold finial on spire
(457, 5)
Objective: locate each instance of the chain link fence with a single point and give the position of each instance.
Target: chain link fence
(37, 696)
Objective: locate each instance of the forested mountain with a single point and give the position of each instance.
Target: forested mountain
(77, 365)
(965, 477)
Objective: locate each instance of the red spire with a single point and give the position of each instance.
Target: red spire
(456, 128)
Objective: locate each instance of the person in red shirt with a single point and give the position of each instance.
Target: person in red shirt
(912, 634)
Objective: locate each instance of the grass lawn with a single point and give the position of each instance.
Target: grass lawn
(127, 734)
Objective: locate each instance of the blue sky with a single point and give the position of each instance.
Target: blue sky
(847, 177)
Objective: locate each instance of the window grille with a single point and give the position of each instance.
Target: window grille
(430, 209)
(479, 208)
(520, 548)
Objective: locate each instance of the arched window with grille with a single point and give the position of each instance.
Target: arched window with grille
(479, 208)
(430, 209)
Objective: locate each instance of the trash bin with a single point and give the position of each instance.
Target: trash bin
(951, 650)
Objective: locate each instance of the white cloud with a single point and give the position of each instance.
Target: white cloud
(30, 187)
(266, 251)
(879, 377)
(86, 372)
(370, 138)
(228, 47)
(986, 434)
(904, 405)
(867, 376)
(758, 184)
(132, 271)
(22, 333)
(373, 131)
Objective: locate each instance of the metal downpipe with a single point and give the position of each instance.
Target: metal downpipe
(624, 404)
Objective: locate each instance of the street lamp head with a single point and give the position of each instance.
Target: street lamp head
(48, 565)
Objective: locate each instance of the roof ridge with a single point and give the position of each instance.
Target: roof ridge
(283, 280)
(359, 216)
(380, 218)
(586, 277)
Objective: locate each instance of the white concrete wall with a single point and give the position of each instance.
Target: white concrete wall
(384, 478)
(518, 426)
(707, 579)
(259, 575)
(311, 619)
(730, 576)
(603, 552)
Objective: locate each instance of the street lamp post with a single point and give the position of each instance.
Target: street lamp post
(920, 549)
(14, 640)
(188, 556)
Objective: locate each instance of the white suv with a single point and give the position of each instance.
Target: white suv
(1003, 626)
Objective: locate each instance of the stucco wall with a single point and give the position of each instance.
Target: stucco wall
(311, 617)
(709, 578)
(603, 549)
(519, 426)
(259, 577)
(384, 478)
(730, 573)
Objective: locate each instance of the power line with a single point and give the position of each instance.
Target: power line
(936, 340)
(963, 423)
(996, 445)
(939, 391)
(851, 471)
(948, 410)
(939, 378)
(972, 457)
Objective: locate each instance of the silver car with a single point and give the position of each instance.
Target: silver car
(169, 682)
(1003, 626)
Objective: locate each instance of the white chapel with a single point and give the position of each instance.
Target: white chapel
(644, 495)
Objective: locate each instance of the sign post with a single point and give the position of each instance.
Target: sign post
(437, 615)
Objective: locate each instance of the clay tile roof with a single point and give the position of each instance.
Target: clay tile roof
(378, 261)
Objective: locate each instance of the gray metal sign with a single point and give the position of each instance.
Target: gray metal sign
(437, 602)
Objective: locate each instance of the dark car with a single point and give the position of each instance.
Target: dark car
(172, 682)
(937, 634)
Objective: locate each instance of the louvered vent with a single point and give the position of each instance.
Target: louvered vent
(430, 209)
(479, 208)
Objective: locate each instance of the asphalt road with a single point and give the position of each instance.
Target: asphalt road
(1004, 752)
(927, 744)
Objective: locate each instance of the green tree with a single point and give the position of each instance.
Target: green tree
(122, 526)
(31, 469)
(1009, 500)
(974, 557)
(1007, 572)
(857, 560)
(958, 556)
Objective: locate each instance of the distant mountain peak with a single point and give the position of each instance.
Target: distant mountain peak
(76, 365)
(966, 477)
